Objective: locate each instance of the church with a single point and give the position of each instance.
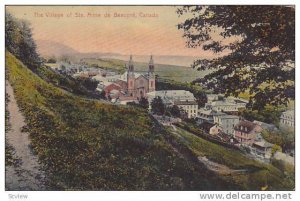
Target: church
(138, 85)
(132, 86)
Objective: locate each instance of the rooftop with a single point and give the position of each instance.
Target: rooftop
(211, 112)
(124, 76)
(265, 125)
(186, 102)
(221, 103)
(226, 116)
(206, 126)
(263, 144)
(173, 94)
(245, 126)
(289, 113)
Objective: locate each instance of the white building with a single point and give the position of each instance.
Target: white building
(222, 106)
(240, 102)
(262, 150)
(183, 99)
(227, 123)
(287, 118)
(213, 97)
(190, 107)
(207, 115)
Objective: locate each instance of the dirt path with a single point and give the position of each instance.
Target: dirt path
(219, 168)
(27, 175)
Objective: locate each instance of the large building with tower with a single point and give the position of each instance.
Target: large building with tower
(130, 86)
(138, 85)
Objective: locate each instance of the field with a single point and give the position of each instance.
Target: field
(170, 72)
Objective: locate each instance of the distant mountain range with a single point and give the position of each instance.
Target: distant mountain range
(50, 48)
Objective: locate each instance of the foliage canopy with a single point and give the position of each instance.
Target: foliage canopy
(258, 48)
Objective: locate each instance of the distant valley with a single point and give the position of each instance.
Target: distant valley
(167, 66)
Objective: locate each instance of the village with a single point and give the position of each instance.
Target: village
(218, 121)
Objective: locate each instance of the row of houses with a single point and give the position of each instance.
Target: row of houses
(243, 133)
(221, 121)
(218, 117)
(80, 70)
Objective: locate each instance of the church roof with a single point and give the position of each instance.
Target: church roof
(123, 77)
(145, 76)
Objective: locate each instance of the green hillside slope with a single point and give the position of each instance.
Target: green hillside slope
(85, 144)
(88, 145)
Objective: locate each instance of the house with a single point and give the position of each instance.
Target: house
(287, 119)
(207, 115)
(227, 138)
(262, 149)
(240, 102)
(183, 99)
(226, 122)
(113, 90)
(222, 106)
(246, 131)
(190, 107)
(214, 97)
(210, 128)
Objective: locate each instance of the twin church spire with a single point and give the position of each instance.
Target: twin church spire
(130, 68)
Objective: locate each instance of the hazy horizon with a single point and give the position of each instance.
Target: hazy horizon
(143, 30)
(53, 49)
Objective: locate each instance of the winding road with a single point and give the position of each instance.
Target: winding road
(27, 175)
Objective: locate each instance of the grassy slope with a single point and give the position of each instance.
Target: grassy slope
(66, 82)
(262, 173)
(88, 145)
(113, 64)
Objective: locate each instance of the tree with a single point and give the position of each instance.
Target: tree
(19, 41)
(175, 111)
(143, 102)
(269, 114)
(282, 138)
(201, 98)
(157, 106)
(88, 83)
(257, 47)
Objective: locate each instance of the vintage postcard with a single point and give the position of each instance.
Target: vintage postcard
(150, 98)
